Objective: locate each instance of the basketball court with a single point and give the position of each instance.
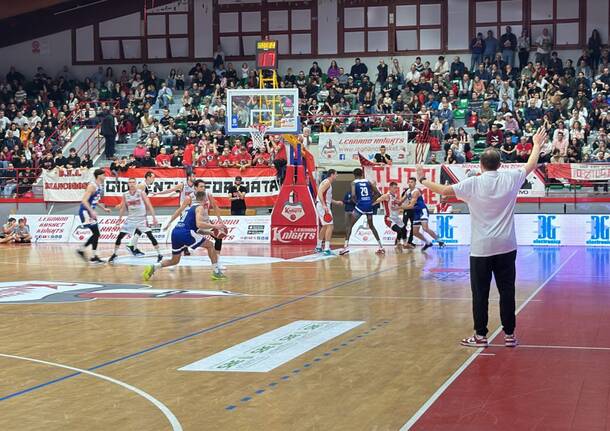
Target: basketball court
(95, 348)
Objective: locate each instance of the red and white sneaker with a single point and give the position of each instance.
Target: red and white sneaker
(380, 251)
(510, 340)
(475, 341)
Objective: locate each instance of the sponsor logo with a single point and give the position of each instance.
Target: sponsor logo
(27, 292)
(547, 231)
(445, 229)
(364, 233)
(600, 231)
(329, 150)
(255, 229)
(293, 235)
(293, 211)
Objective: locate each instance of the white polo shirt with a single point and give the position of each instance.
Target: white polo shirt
(491, 199)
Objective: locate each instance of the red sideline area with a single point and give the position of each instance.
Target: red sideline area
(558, 378)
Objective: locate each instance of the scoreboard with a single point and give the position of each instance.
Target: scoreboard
(266, 54)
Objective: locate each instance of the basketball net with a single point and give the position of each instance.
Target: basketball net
(257, 133)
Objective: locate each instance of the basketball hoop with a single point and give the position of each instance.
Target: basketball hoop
(257, 133)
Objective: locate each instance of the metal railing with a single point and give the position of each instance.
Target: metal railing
(20, 185)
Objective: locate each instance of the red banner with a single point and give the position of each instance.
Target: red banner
(579, 171)
(261, 184)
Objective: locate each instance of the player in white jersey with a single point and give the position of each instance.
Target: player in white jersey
(208, 203)
(325, 215)
(393, 206)
(146, 187)
(137, 204)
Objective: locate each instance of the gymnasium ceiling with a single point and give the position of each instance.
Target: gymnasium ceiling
(15, 8)
(25, 20)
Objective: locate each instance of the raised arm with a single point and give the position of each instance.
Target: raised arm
(445, 190)
(176, 188)
(539, 138)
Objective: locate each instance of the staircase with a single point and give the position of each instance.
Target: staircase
(125, 149)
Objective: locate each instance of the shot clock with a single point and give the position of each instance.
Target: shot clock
(266, 54)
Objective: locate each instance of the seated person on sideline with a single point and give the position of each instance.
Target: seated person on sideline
(22, 232)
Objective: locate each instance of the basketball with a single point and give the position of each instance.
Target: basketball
(219, 232)
(328, 217)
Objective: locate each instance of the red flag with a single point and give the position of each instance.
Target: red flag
(364, 161)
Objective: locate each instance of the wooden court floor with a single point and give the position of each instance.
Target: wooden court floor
(123, 352)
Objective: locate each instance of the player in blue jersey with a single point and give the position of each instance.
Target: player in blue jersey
(364, 193)
(190, 232)
(88, 216)
(420, 214)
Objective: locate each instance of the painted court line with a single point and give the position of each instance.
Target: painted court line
(158, 404)
(536, 346)
(436, 395)
(201, 331)
(308, 365)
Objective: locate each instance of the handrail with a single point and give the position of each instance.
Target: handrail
(87, 144)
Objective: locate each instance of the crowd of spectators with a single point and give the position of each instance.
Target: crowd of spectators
(494, 102)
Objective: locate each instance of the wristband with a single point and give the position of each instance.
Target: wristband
(422, 179)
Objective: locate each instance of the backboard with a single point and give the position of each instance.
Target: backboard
(278, 109)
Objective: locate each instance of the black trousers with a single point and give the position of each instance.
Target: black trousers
(409, 216)
(109, 150)
(502, 267)
(238, 211)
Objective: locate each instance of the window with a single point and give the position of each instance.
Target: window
(365, 29)
(495, 15)
(240, 25)
(419, 26)
(561, 17)
(167, 35)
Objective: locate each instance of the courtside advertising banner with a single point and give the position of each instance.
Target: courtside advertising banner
(341, 149)
(49, 228)
(65, 185)
(453, 229)
(240, 229)
(383, 175)
(533, 187)
(579, 171)
(110, 227)
(67, 228)
(531, 230)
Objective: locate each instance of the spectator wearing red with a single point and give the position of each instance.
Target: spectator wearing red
(261, 158)
(189, 150)
(163, 159)
(236, 149)
(139, 151)
(224, 160)
(242, 160)
(495, 137)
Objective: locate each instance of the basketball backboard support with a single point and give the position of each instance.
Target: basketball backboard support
(278, 109)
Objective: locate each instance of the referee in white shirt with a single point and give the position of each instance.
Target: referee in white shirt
(491, 199)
